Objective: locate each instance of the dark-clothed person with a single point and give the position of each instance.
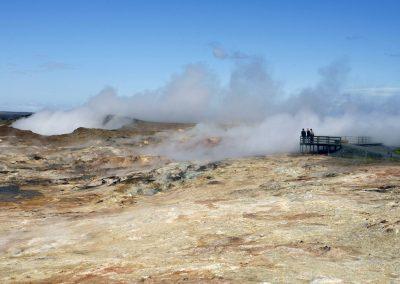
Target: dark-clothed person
(308, 135)
(311, 135)
(303, 135)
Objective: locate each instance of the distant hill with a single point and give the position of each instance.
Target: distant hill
(12, 115)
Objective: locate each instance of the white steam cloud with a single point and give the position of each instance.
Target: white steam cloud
(250, 115)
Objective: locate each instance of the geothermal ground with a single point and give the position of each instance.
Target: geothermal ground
(88, 207)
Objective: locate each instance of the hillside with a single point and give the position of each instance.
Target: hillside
(90, 207)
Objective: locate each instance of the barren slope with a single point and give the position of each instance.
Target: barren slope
(93, 209)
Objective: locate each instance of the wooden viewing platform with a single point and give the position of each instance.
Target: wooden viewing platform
(330, 144)
(320, 144)
(360, 146)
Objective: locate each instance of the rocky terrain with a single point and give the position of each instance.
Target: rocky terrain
(89, 207)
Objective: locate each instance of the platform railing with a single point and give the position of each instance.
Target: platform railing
(357, 140)
(321, 140)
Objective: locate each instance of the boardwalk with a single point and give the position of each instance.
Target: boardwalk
(320, 144)
(330, 144)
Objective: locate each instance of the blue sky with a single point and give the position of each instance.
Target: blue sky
(59, 53)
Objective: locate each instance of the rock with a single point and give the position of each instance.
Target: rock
(104, 181)
(326, 280)
(209, 166)
(3, 169)
(37, 157)
(134, 190)
(61, 181)
(331, 174)
(94, 183)
(150, 191)
(325, 248)
(215, 182)
(111, 180)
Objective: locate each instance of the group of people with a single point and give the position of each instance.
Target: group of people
(307, 135)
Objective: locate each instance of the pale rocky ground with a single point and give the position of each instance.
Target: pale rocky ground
(90, 209)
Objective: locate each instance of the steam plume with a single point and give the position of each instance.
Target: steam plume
(261, 118)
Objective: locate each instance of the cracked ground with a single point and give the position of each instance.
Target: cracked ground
(89, 208)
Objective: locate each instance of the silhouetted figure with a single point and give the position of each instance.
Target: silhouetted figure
(303, 135)
(311, 136)
(308, 135)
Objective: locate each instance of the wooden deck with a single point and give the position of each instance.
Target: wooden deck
(320, 144)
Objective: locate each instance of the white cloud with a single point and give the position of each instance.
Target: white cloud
(375, 91)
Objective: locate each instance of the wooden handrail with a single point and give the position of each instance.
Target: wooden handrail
(357, 140)
(327, 140)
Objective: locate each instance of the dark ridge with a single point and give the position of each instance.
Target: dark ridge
(12, 115)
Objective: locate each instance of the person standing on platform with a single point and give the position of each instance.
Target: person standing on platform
(308, 135)
(311, 135)
(303, 136)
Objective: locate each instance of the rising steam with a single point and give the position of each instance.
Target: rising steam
(250, 115)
